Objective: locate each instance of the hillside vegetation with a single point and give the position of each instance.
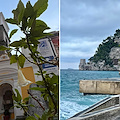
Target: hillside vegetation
(103, 50)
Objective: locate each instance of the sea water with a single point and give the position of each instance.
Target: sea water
(71, 101)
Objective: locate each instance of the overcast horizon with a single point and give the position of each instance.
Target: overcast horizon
(84, 25)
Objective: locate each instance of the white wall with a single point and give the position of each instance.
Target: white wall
(2, 22)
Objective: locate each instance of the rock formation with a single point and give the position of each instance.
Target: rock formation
(107, 59)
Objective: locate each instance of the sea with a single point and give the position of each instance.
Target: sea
(71, 101)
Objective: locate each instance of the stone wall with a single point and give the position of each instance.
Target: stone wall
(99, 86)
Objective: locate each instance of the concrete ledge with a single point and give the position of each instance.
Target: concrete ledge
(106, 86)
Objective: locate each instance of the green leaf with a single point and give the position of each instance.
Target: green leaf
(15, 12)
(32, 21)
(19, 98)
(40, 83)
(12, 21)
(20, 16)
(29, 11)
(30, 118)
(54, 79)
(13, 32)
(29, 16)
(2, 48)
(45, 96)
(26, 99)
(13, 59)
(17, 106)
(21, 60)
(18, 95)
(37, 115)
(39, 28)
(15, 44)
(20, 43)
(24, 23)
(37, 74)
(44, 72)
(18, 13)
(20, 6)
(40, 6)
(38, 88)
(51, 105)
(33, 41)
(14, 97)
(40, 23)
(31, 105)
(46, 115)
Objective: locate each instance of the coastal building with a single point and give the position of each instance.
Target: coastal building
(9, 75)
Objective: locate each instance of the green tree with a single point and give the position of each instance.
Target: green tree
(26, 19)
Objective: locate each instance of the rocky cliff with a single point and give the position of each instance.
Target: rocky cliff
(106, 57)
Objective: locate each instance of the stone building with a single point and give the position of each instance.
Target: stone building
(9, 75)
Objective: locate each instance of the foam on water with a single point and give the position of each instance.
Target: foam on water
(68, 109)
(71, 101)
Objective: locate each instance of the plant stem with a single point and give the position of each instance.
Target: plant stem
(27, 38)
(26, 57)
(48, 89)
(25, 110)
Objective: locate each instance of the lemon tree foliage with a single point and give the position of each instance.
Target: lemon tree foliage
(26, 18)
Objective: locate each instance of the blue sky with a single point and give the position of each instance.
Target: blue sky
(84, 25)
(50, 16)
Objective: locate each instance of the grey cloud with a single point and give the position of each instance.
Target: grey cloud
(89, 20)
(82, 46)
(86, 22)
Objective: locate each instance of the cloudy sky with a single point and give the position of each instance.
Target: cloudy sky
(84, 25)
(50, 16)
